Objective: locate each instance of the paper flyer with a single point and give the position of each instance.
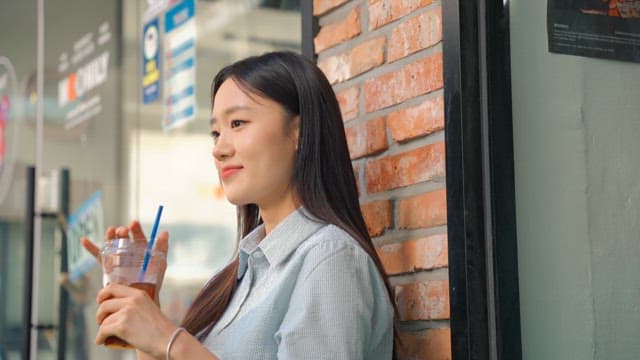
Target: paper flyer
(608, 29)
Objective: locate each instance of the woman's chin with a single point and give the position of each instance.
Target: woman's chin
(237, 201)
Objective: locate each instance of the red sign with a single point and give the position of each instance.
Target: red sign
(5, 104)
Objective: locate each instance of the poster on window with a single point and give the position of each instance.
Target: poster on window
(608, 29)
(86, 221)
(83, 73)
(179, 65)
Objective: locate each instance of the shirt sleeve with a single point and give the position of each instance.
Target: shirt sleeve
(338, 309)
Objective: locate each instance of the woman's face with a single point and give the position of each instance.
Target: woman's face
(254, 147)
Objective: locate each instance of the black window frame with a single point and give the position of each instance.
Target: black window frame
(481, 221)
(309, 29)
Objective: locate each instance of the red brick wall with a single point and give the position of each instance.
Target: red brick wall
(384, 59)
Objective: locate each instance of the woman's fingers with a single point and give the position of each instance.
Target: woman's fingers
(117, 297)
(113, 325)
(131, 315)
(117, 291)
(110, 233)
(162, 242)
(136, 231)
(91, 247)
(122, 232)
(103, 332)
(108, 307)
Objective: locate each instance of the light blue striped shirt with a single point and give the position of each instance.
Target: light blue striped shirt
(305, 291)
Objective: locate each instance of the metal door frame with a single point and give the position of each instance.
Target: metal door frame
(481, 222)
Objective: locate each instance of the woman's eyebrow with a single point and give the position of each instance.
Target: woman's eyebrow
(230, 110)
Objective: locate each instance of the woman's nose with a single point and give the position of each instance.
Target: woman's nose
(222, 148)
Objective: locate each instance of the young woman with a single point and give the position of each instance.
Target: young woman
(306, 282)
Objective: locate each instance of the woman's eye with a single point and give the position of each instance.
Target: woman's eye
(215, 135)
(236, 123)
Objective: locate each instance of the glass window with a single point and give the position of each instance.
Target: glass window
(98, 125)
(174, 167)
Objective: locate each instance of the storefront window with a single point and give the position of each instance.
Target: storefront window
(173, 165)
(128, 146)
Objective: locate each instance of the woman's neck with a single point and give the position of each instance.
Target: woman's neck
(274, 214)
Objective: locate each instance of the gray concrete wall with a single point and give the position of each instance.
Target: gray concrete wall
(576, 135)
(611, 109)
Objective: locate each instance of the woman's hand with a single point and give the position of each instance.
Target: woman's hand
(131, 315)
(137, 234)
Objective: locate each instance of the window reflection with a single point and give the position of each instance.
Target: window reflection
(176, 168)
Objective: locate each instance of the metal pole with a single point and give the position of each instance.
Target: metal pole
(37, 222)
(28, 254)
(63, 216)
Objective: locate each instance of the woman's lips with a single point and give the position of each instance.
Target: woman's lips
(230, 170)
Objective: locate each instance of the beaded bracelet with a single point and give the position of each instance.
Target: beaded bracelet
(172, 339)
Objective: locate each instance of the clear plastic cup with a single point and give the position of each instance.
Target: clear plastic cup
(122, 261)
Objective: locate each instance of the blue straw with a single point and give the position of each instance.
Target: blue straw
(152, 239)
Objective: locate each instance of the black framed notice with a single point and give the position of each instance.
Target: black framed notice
(608, 29)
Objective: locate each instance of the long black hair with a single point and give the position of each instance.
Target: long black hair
(323, 177)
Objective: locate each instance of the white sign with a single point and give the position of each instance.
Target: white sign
(179, 65)
(83, 74)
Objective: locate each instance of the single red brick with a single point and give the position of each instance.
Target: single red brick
(367, 55)
(415, 34)
(408, 168)
(367, 138)
(423, 211)
(376, 136)
(348, 100)
(417, 78)
(382, 12)
(335, 68)
(427, 300)
(335, 33)
(377, 215)
(362, 58)
(431, 344)
(322, 6)
(424, 119)
(413, 255)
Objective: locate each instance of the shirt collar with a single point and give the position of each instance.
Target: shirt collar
(281, 241)
(247, 246)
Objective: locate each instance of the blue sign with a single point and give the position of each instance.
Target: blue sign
(179, 15)
(179, 65)
(151, 62)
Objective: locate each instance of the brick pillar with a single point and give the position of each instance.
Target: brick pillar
(384, 59)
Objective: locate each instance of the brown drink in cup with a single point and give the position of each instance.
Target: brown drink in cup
(122, 261)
